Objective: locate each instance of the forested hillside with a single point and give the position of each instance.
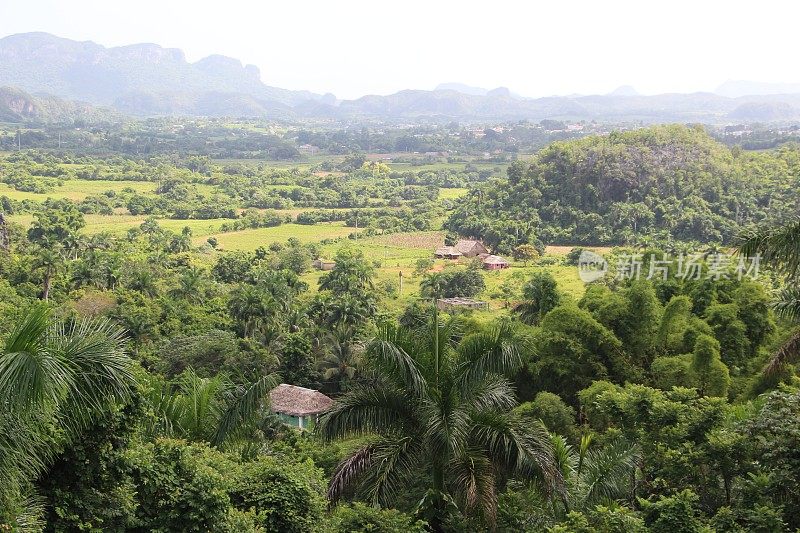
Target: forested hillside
(666, 183)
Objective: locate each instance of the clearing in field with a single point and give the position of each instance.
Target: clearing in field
(452, 193)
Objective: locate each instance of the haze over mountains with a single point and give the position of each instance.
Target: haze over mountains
(45, 78)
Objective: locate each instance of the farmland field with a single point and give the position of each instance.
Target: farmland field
(250, 239)
(79, 189)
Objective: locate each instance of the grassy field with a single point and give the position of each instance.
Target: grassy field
(119, 224)
(250, 239)
(77, 190)
(452, 193)
(396, 253)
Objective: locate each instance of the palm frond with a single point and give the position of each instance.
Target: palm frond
(527, 452)
(446, 427)
(787, 354)
(377, 470)
(473, 481)
(365, 410)
(778, 246)
(395, 461)
(788, 303)
(94, 354)
(389, 353)
(492, 392)
(495, 351)
(606, 473)
(244, 408)
(29, 375)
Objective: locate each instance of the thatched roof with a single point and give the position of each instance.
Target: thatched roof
(447, 251)
(466, 246)
(298, 401)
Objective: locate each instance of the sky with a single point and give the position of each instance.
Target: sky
(353, 48)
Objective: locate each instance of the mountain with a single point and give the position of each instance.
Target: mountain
(18, 106)
(149, 80)
(624, 90)
(44, 63)
(462, 88)
(737, 88)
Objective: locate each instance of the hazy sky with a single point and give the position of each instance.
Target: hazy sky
(353, 48)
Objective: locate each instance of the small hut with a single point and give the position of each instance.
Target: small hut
(494, 262)
(323, 264)
(447, 252)
(454, 304)
(297, 406)
(470, 248)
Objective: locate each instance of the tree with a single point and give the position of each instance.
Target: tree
(213, 410)
(252, 308)
(422, 266)
(57, 222)
(596, 475)
(571, 349)
(558, 417)
(49, 260)
(55, 379)
(441, 420)
(341, 359)
(525, 253)
(285, 499)
(350, 275)
(778, 246)
(453, 283)
(297, 361)
(540, 295)
(710, 372)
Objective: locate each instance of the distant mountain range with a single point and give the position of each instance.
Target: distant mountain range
(47, 77)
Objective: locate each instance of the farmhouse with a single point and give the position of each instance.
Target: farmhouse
(447, 252)
(451, 304)
(323, 264)
(297, 406)
(494, 262)
(469, 248)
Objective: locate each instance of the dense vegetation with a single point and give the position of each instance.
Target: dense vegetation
(670, 183)
(136, 365)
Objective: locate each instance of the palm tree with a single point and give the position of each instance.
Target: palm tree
(592, 476)
(540, 295)
(779, 247)
(189, 285)
(432, 284)
(252, 307)
(596, 476)
(213, 410)
(341, 359)
(54, 380)
(438, 413)
(49, 260)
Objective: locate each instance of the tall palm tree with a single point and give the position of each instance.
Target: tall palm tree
(779, 247)
(438, 413)
(49, 260)
(432, 284)
(54, 380)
